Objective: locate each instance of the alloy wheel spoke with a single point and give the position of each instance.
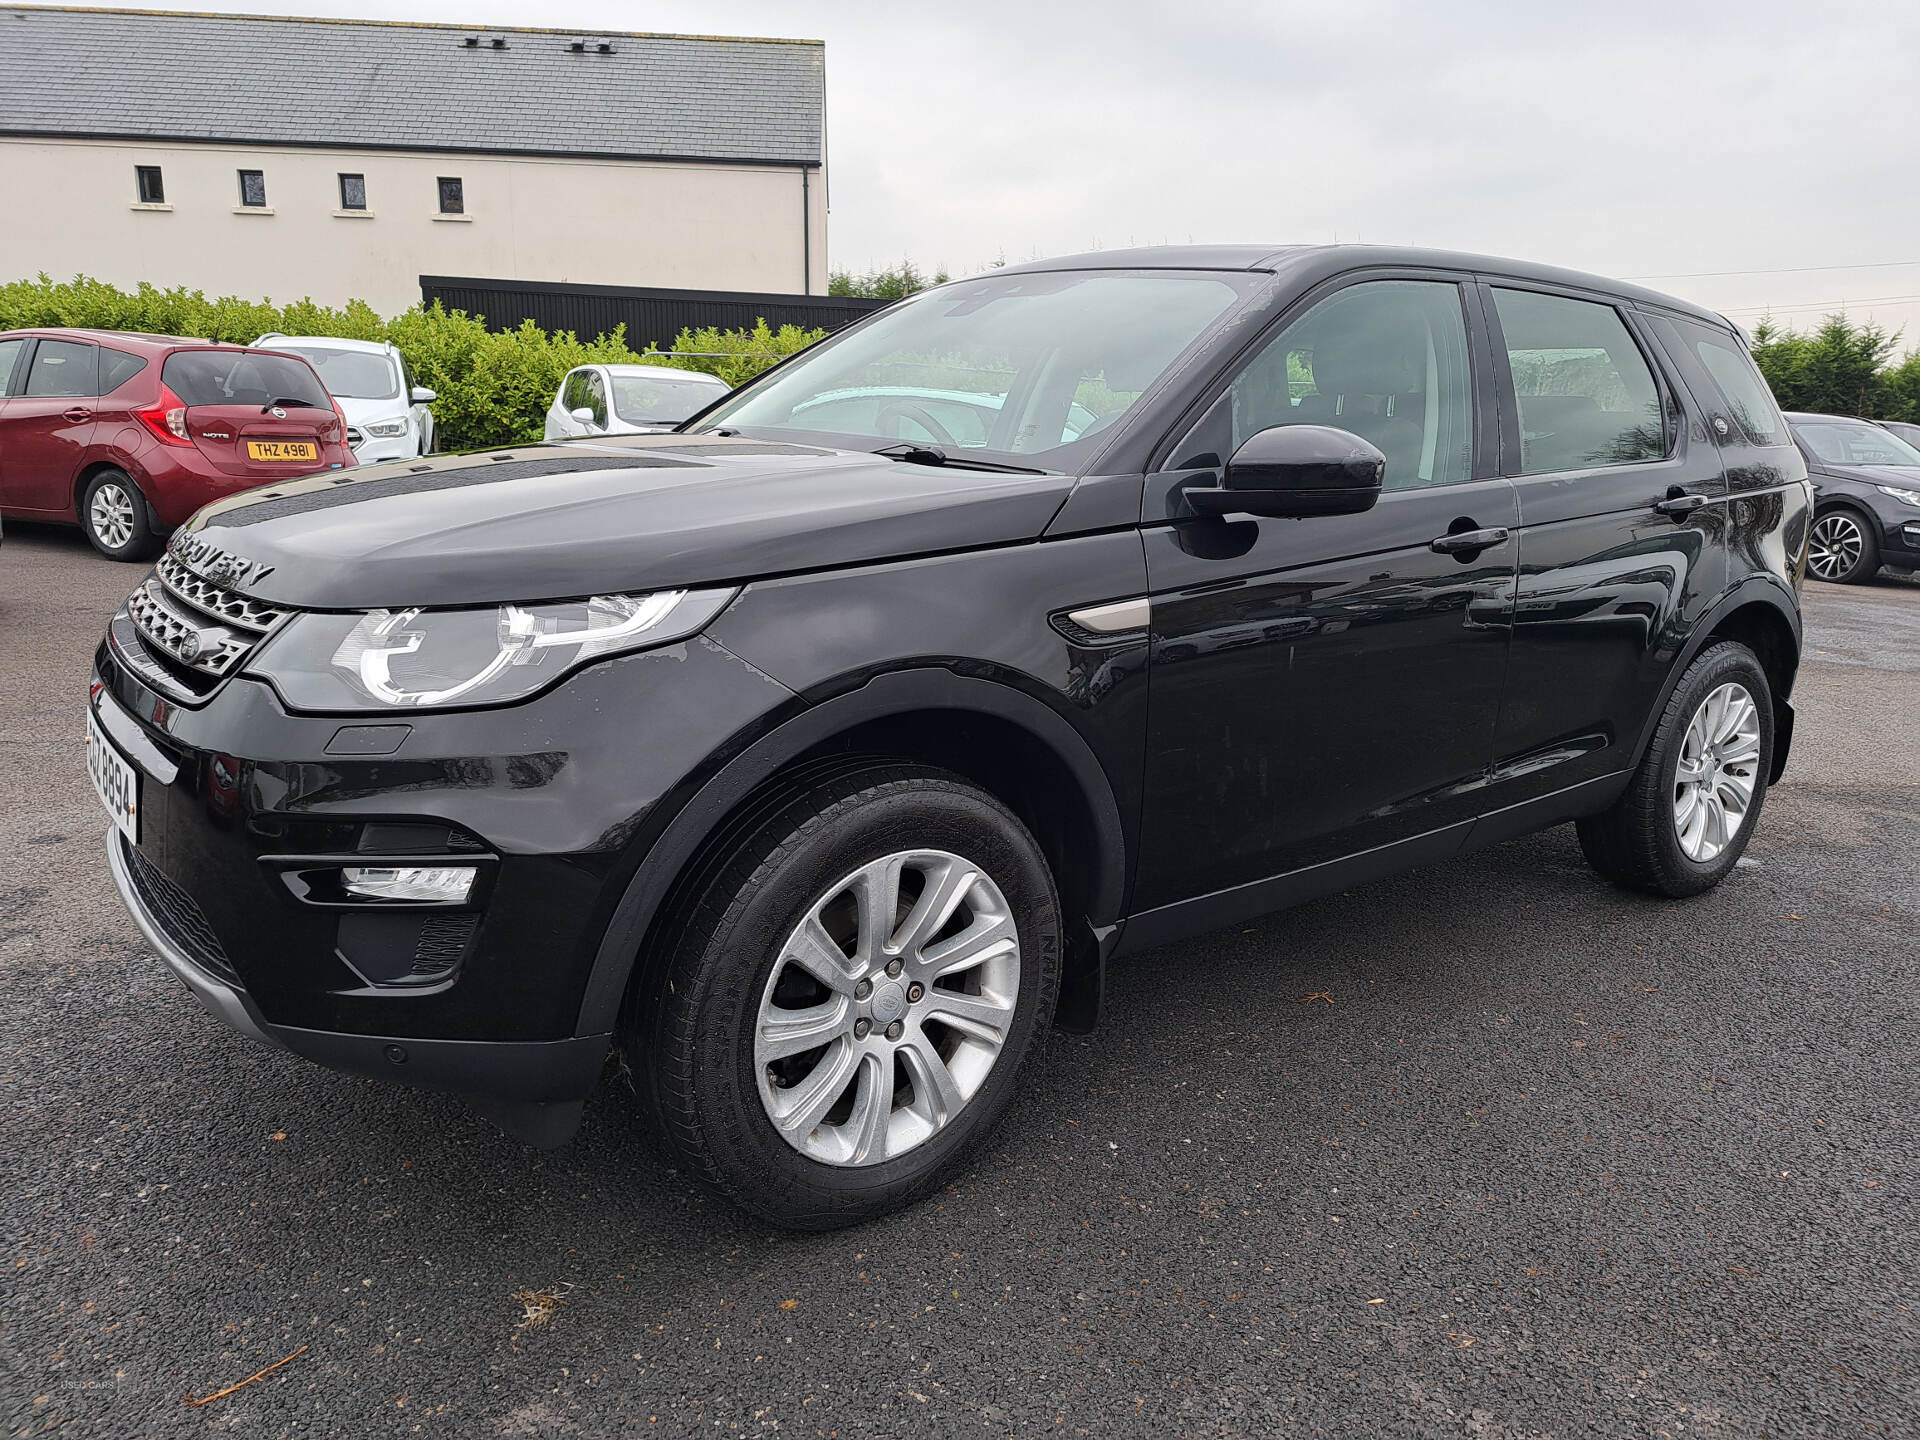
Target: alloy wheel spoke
(988, 938)
(817, 953)
(790, 1032)
(872, 1110)
(936, 1095)
(981, 1016)
(876, 893)
(805, 1104)
(947, 885)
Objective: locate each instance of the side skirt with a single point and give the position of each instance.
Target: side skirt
(1229, 907)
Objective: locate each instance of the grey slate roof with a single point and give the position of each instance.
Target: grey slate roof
(129, 74)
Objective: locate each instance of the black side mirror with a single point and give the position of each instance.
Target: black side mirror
(1297, 470)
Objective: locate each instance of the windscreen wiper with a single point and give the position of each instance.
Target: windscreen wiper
(914, 454)
(292, 400)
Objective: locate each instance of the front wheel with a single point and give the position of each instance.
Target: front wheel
(114, 514)
(851, 999)
(1842, 548)
(1691, 807)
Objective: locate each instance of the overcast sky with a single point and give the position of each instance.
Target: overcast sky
(1643, 138)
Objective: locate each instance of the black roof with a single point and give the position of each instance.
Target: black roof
(1332, 259)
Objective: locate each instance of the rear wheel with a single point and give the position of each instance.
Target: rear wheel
(1842, 549)
(114, 514)
(851, 998)
(1691, 807)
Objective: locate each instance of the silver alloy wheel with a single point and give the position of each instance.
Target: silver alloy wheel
(1836, 545)
(1714, 781)
(887, 1008)
(111, 515)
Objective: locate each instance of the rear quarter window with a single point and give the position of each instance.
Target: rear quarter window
(1745, 392)
(241, 377)
(116, 368)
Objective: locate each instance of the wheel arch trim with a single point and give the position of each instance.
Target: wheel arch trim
(1756, 592)
(895, 693)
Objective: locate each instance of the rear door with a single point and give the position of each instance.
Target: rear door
(253, 414)
(49, 422)
(1623, 531)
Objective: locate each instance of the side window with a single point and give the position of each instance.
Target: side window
(1384, 359)
(597, 398)
(61, 367)
(9, 358)
(573, 391)
(116, 368)
(1741, 385)
(1586, 395)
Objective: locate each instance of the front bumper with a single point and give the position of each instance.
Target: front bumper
(535, 1090)
(374, 449)
(246, 807)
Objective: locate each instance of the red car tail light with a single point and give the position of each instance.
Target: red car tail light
(166, 417)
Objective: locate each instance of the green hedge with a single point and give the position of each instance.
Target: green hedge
(494, 385)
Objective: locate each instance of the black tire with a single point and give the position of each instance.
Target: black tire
(698, 1031)
(1636, 842)
(1829, 529)
(116, 519)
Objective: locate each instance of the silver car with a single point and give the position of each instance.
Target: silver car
(628, 399)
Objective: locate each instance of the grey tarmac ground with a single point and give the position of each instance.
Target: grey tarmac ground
(1492, 1150)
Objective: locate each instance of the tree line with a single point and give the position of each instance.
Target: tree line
(1840, 368)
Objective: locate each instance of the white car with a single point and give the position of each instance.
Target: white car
(628, 399)
(387, 414)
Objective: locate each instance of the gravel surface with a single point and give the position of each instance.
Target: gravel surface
(1491, 1150)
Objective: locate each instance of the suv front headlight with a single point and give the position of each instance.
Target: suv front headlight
(428, 659)
(1905, 497)
(385, 429)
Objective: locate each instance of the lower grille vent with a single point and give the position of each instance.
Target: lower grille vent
(182, 920)
(442, 944)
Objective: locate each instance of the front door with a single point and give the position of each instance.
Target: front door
(1623, 528)
(1326, 686)
(47, 426)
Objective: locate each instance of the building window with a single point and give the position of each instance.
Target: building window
(253, 189)
(353, 192)
(453, 196)
(147, 178)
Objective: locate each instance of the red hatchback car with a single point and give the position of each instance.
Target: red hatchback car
(127, 435)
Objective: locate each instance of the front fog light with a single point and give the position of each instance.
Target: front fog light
(423, 884)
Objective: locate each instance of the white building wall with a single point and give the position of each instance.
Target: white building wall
(589, 221)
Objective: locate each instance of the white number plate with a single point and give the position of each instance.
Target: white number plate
(115, 781)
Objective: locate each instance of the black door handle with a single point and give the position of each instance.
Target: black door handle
(1680, 506)
(1465, 540)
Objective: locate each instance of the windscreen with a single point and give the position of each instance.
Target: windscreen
(1033, 369)
(241, 377)
(660, 399)
(1853, 442)
(351, 374)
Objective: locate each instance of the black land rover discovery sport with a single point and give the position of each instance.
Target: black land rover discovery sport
(823, 753)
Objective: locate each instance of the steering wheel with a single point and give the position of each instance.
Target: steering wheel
(919, 414)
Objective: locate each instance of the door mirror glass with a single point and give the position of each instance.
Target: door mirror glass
(1297, 470)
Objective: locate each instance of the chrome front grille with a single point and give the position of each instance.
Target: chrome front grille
(209, 598)
(197, 624)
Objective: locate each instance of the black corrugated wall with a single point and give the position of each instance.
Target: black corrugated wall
(651, 316)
